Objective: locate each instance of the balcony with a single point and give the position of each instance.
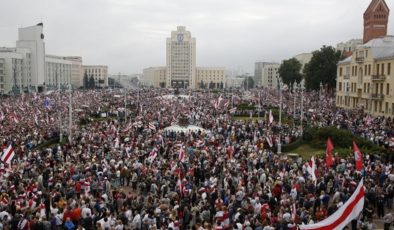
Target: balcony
(346, 77)
(359, 59)
(376, 96)
(378, 78)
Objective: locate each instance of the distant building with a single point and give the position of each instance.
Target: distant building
(32, 38)
(181, 70)
(266, 74)
(76, 71)
(235, 82)
(210, 77)
(154, 76)
(58, 72)
(99, 74)
(365, 79)
(304, 59)
(348, 47)
(15, 70)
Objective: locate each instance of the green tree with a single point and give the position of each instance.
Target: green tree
(289, 71)
(92, 83)
(85, 81)
(248, 83)
(322, 68)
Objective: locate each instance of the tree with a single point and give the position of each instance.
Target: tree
(85, 81)
(92, 83)
(289, 71)
(322, 68)
(248, 83)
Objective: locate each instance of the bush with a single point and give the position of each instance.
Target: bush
(293, 145)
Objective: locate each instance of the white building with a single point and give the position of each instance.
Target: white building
(181, 70)
(181, 59)
(235, 82)
(266, 74)
(15, 70)
(99, 74)
(32, 37)
(154, 76)
(304, 59)
(210, 77)
(76, 71)
(349, 46)
(58, 72)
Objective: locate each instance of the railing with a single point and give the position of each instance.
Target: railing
(377, 96)
(359, 59)
(378, 78)
(346, 77)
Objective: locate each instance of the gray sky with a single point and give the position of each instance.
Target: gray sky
(129, 35)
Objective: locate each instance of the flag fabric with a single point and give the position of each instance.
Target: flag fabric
(269, 141)
(181, 156)
(358, 157)
(152, 155)
(293, 211)
(344, 215)
(152, 126)
(227, 103)
(8, 154)
(329, 159)
(270, 117)
(232, 110)
(311, 168)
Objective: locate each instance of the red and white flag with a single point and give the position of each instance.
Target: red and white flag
(358, 157)
(270, 117)
(311, 168)
(152, 126)
(152, 155)
(269, 141)
(232, 110)
(344, 215)
(329, 159)
(182, 155)
(293, 212)
(8, 154)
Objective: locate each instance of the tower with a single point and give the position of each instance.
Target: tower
(375, 20)
(181, 59)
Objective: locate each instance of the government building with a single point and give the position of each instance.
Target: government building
(27, 67)
(180, 70)
(365, 80)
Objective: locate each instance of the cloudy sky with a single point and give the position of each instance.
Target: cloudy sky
(129, 35)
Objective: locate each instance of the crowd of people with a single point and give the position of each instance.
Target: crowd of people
(116, 167)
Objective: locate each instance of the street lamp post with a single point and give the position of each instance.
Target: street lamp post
(280, 117)
(302, 108)
(70, 115)
(294, 104)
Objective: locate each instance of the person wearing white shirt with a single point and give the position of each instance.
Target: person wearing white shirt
(86, 212)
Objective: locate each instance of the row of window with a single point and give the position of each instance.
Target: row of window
(380, 70)
(378, 88)
(373, 106)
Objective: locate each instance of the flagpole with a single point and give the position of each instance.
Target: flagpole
(280, 117)
(302, 109)
(70, 115)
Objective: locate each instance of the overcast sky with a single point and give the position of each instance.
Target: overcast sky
(129, 35)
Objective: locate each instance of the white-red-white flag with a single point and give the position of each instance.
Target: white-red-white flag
(233, 110)
(152, 155)
(152, 126)
(269, 141)
(344, 215)
(8, 154)
(182, 155)
(311, 168)
(270, 117)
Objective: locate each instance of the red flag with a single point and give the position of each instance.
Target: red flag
(358, 157)
(329, 159)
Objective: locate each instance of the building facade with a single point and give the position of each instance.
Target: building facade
(180, 70)
(154, 76)
(366, 80)
(99, 74)
(181, 59)
(210, 77)
(32, 38)
(349, 46)
(58, 72)
(267, 74)
(76, 71)
(15, 76)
